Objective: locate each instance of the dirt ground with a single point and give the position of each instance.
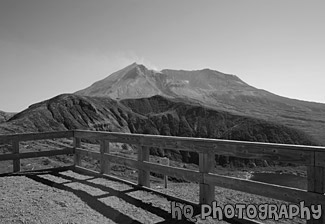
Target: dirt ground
(69, 197)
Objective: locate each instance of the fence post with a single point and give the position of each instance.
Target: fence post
(143, 175)
(15, 150)
(77, 144)
(104, 163)
(165, 161)
(206, 163)
(316, 184)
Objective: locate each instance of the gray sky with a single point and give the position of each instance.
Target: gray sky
(49, 47)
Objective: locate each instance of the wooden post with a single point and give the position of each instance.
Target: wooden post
(77, 158)
(165, 161)
(104, 163)
(206, 163)
(316, 184)
(143, 175)
(15, 150)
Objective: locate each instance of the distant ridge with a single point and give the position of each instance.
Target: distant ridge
(215, 90)
(4, 116)
(136, 81)
(156, 115)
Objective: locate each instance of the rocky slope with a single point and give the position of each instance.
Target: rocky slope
(215, 90)
(67, 112)
(134, 81)
(155, 115)
(4, 116)
(177, 118)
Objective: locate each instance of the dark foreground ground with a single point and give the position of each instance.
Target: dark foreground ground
(70, 197)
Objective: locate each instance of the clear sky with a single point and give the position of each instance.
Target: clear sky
(49, 47)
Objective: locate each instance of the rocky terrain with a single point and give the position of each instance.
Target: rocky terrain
(215, 90)
(167, 113)
(75, 198)
(203, 103)
(155, 115)
(4, 116)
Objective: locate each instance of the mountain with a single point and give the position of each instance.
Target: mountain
(215, 90)
(154, 115)
(4, 116)
(68, 112)
(134, 81)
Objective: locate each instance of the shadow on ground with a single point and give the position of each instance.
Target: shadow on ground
(96, 193)
(95, 203)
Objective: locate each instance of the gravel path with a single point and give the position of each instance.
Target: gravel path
(69, 197)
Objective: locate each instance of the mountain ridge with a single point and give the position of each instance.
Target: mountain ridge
(4, 116)
(156, 115)
(212, 89)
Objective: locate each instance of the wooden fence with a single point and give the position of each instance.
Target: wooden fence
(310, 156)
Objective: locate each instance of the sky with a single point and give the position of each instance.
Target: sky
(50, 47)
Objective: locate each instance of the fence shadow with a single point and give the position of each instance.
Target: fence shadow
(94, 201)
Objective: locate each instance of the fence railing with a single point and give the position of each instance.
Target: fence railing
(16, 155)
(311, 156)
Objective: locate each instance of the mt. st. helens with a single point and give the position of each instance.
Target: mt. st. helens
(215, 90)
(136, 81)
(155, 115)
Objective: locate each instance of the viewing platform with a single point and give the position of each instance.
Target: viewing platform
(109, 195)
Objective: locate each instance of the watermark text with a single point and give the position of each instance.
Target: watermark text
(251, 211)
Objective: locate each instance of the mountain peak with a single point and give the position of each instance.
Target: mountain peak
(133, 81)
(137, 81)
(132, 66)
(136, 64)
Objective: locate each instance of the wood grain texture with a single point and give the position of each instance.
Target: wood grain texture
(207, 191)
(104, 163)
(85, 152)
(15, 151)
(320, 158)
(36, 136)
(144, 174)
(313, 157)
(27, 155)
(267, 190)
(252, 150)
(316, 184)
(185, 174)
(76, 145)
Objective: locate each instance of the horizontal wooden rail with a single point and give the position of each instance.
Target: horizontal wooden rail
(283, 193)
(85, 152)
(15, 140)
(311, 156)
(26, 155)
(263, 189)
(185, 174)
(299, 154)
(35, 136)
